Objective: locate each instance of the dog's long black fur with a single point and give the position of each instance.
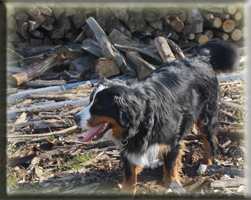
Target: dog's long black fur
(163, 107)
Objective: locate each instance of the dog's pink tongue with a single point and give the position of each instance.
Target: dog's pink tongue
(92, 131)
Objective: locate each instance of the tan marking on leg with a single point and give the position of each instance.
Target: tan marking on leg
(207, 157)
(174, 175)
(129, 186)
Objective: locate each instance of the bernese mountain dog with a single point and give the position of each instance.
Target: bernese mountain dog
(148, 119)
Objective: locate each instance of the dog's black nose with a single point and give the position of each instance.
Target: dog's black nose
(77, 118)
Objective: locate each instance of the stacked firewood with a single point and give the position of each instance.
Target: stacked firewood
(57, 24)
(92, 42)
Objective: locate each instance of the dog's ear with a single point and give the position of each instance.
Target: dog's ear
(130, 113)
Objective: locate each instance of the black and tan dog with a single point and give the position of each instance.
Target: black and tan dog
(148, 119)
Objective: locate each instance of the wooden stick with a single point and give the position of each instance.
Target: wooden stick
(73, 128)
(235, 182)
(43, 83)
(232, 105)
(142, 67)
(108, 50)
(35, 71)
(164, 49)
(141, 50)
(175, 48)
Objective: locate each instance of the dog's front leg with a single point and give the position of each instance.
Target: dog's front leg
(130, 178)
(172, 165)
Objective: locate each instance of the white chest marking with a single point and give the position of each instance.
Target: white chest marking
(145, 159)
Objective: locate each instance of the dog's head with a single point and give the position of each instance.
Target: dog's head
(114, 111)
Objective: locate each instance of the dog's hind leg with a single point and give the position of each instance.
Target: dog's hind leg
(172, 165)
(210, 144)
(130, 178)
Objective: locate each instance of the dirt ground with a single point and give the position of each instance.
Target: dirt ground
(54, 166)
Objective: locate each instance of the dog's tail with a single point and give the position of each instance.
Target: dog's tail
(222, 56)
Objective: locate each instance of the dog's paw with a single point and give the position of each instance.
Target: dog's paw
(202, 169)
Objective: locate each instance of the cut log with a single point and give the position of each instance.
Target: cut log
(209, 34)
(92, 47)
(175, 24)
(106, 68)
(150, 17)
(108, 50)
(207, 16)
(157, 24)
(12, 24)
(36, 70)
(221, 34)
(58, 10)
(46, 11)
(48, 20)
(81, 37)
(37, 34)
(79, 19)
(22, 17)
(164, 49)
(70, 53)
(116, 37)
(231, 9)
(236, 34)
(47, 27)
(144, 51)
(14, 37)
(180, 13)
(33, 26)
(123, 30)
(194, 27)
(176, 49)
(170, 34)
(42, 83)
(201, 39)
(36, 50)
(191, 36)
(237, 16)
(235, 182)
(70, 11)
(141, 67)
(212, 9)
(57, 33)
(83, 64)
(39, 19)
(223, 16)
(194, 15)
(228, 26)
(135, 22)
(35, 42)
(26, 62)
(33, 11)
(23, 29)
(47, 42)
